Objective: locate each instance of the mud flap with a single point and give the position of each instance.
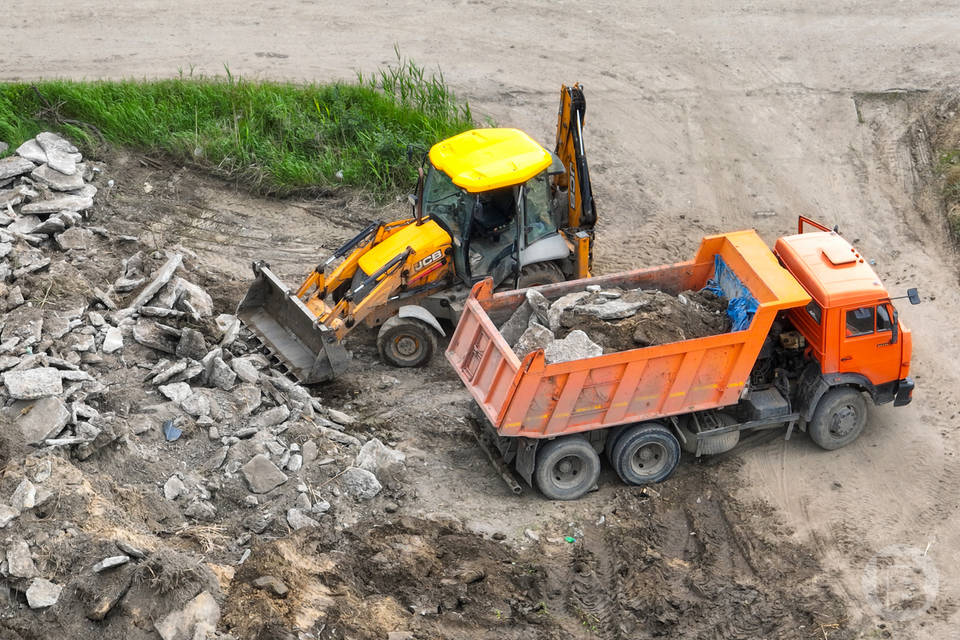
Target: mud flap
(290, 332)
(527, 458)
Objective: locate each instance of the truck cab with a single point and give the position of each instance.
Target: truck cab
(851, 327)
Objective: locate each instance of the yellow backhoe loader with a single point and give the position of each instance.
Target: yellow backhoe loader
(491, 203)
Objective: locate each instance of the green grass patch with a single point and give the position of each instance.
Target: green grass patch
(275, 138)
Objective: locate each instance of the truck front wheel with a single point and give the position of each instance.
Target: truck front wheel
(567, 468)
(646, 454)
(839, 418)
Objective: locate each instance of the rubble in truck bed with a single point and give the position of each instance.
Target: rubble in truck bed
(597, 321)
(145, 443)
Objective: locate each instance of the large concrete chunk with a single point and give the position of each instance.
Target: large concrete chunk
(360, 483)
(14, 166)
(198, 619)
(574, 347)
(54, 205)
(379, 459)
(25, 323)
(42, 593)
(271, 417)
(75, 238)
(61, 155)
(150, 335)
(31, 150)
(160, 278)
(40, 420)
(56, 180)
(535, 337)
(19, 561)
(262, 475)
(33, 383)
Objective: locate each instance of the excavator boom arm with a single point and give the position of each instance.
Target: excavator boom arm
(573, 106)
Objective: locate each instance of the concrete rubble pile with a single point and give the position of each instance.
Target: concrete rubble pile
(138, 381)
(589, 323)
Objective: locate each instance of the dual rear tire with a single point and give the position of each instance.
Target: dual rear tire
(569, 466)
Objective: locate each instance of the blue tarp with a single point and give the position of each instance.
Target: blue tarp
(741, 304)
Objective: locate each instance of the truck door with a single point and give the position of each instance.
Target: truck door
(865, 347)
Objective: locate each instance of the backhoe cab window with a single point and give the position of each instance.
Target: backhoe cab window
(860, 321)
(445, 202)
(538, 223)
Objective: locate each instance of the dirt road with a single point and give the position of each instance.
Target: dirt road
(702, 117)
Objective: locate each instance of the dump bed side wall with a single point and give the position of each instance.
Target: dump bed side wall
(533, 399)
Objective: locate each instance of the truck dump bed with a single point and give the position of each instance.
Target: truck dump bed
(534, 399)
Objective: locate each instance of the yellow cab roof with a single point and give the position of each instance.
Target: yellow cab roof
(485, 159)
(831, 269)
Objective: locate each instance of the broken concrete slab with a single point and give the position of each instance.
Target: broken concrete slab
(191, 345)
(198, 619)
(33, 383)
(60, 203)
(13, 166)
(379, 459)
(39, 420)
(151, 334)
(173, 488)
(31, 150)
(7, 515)
(271, 417)
(76, 238)
(56, 180)
(535, 337)
(221, 375)
(176, 391)
(25, 323)
(19, 561)
(61, 154)
(560, 305)
(160, 277)
(262, 475)
(272, 584)
(297, 519)
(245, 370)
(42, 593)
(113, 341)
(575, 346)
(196, 405)
(360, 483)
(110, 563)
(24, 496)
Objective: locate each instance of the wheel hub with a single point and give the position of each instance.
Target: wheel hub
(406, 345)
(844, 420)
(649, 458)
(567, 471)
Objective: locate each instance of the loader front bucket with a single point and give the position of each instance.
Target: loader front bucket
(308, 349)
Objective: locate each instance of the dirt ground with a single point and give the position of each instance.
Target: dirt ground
(701, 118)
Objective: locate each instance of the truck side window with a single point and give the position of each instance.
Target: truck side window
(860, 321)
(883, 318)
(815, 312)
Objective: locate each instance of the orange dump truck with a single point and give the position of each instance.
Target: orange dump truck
(815, 334)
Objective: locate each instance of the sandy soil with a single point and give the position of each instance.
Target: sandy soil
(701, 118)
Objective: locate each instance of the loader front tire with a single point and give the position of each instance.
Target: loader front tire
(406, 342)
(839, 418)
(539, 273)
(567, 468)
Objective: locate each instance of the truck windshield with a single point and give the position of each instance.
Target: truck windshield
(445, 202)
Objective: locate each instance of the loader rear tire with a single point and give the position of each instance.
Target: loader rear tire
(406, 342)
(539, 273)
(839, 418)
(646, 454)
(567, 468)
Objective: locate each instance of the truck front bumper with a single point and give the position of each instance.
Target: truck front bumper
(904, 392)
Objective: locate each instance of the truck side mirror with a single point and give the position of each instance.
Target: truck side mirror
(913, 296)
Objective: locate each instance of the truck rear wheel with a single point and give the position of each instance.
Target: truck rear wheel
(406, 342)
(567, 468)
(646, 454)
(839, 418)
